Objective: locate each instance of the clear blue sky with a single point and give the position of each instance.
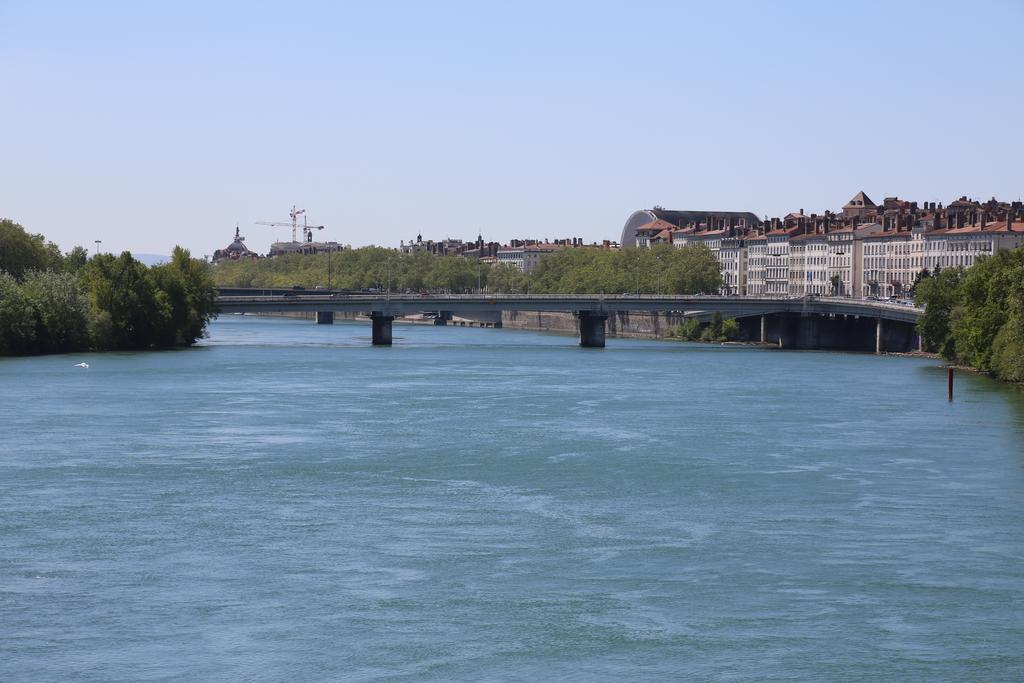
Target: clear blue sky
(148, 125)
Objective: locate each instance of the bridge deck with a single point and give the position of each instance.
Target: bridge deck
(404, 304)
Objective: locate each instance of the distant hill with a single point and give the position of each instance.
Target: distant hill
(152, 259)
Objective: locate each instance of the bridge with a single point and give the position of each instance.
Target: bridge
(776, 317)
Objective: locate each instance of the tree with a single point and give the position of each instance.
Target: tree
(60, 311)
(984, 306)
(690, 270)
(921, 275)
(191, 295)
(130, 311)
(690, 330)
(504, 278)
(75, 260)
(452, 273)
(21, 252)
(54, 303)
(713, 332)
(693, 269)
(17, 319)
(939, 295)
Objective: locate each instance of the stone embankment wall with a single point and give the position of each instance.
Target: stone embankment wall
(643, 325)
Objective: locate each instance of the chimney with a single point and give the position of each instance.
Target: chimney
(801, 212)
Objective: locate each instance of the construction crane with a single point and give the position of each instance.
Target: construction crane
(307, 230)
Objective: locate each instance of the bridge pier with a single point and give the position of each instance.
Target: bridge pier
(325, 317)
(592, 329)
(381, 328)
(764, 329)
(878, 335)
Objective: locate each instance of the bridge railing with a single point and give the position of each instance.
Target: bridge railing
(882, 305)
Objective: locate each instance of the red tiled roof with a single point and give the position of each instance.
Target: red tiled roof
(784, 231)
(995, 226)
(656, 226)
(707, 233)
(810, 235)
(901, 234)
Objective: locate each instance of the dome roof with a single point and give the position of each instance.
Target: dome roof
(238, 246)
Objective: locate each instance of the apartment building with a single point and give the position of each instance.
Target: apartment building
(868, 250)
(729, 249)
(732, 258)
(808, 264)
(962, 246)
(776, 260)
(512, 256)
(655, 232)
(891, 261)
(757, 265)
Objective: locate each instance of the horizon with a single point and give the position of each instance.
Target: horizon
(147, 127)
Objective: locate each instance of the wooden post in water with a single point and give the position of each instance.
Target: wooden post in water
(949, 383)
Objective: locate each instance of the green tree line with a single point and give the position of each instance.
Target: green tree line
(54, 302)
(975, 316)
(690, 270)
(718, 330)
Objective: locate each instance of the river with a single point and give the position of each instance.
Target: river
(287, 502)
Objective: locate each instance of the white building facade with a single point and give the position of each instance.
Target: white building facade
(808, 265)
(757, 263)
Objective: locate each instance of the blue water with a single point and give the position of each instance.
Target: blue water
(288, 503)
